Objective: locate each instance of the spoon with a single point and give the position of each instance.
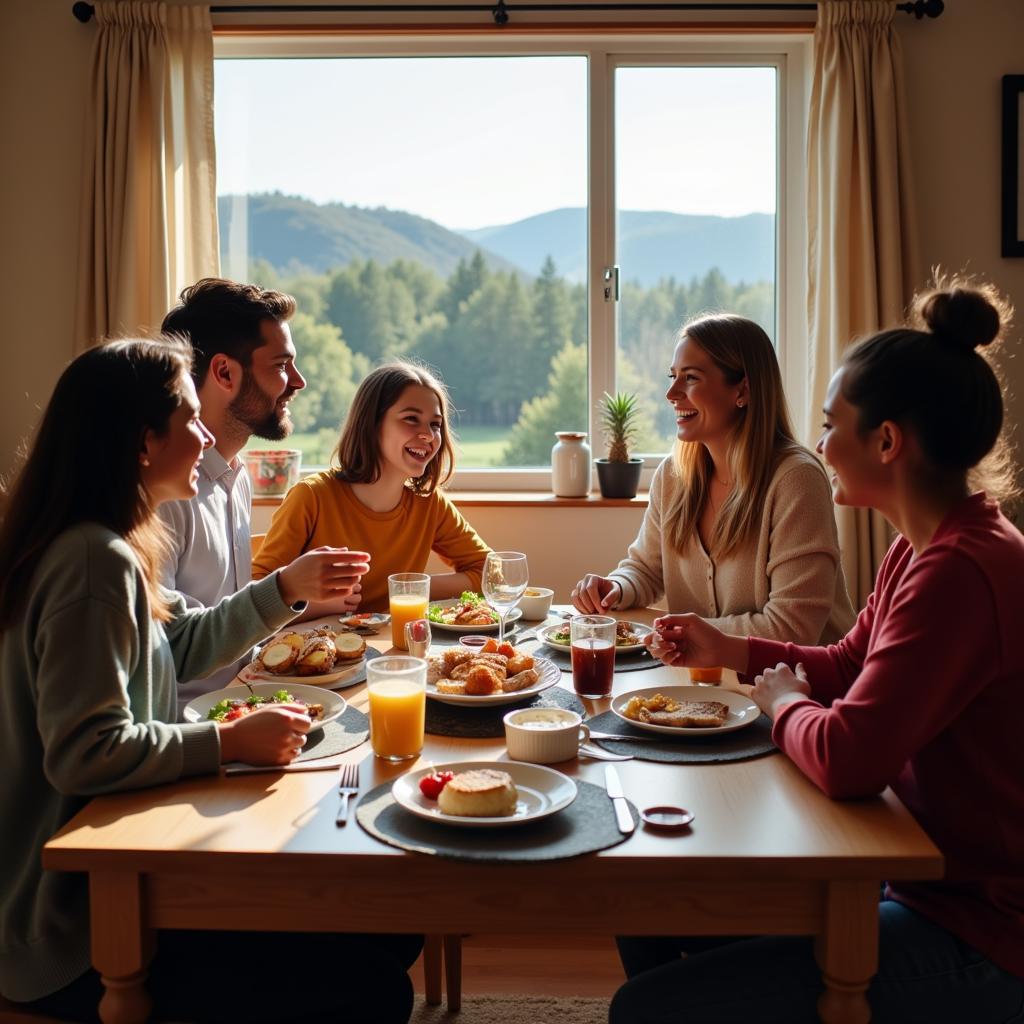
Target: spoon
(603, 755)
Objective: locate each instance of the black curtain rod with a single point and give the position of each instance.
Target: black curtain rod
(501, 11)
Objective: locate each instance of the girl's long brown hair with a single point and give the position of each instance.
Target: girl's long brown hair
(358, 452)
(84, 463)
(762, 438)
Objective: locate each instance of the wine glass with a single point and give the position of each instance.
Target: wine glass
(505, 577)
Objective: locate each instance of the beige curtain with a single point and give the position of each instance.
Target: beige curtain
(149, 207)
(862, 258)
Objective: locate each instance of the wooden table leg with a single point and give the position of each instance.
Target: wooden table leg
(847, 951)
(432, 969)
(453, 971)
(122, 946)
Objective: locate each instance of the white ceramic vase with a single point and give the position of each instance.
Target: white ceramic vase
(570, 465)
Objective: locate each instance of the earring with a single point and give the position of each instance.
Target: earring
(144, 460)
(740, 404)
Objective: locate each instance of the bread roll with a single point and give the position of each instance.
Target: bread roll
(349, 647)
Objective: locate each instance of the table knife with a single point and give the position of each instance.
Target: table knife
(252, 769)
(618, 799)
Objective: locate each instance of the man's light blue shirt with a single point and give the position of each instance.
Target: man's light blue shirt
(211, 557)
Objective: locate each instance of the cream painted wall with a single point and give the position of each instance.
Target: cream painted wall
(953, 66)
(44, 71)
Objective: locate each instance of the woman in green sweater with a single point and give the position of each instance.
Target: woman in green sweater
(91, 648)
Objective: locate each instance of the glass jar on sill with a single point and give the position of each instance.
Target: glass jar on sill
(570, 465)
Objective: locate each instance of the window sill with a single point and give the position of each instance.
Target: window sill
(515, 499)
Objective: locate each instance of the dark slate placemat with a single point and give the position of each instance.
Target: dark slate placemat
(739, 745)
(585, 826)
(338, 736)
(486, 722)
(623, 663)
(360, 674)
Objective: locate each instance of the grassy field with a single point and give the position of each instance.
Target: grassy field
(477, 446)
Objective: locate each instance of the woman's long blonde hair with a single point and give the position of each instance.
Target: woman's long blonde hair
(763, 436)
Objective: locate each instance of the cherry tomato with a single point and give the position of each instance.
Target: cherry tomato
(431, 785)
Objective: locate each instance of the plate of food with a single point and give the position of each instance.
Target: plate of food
(629, 637)
(236, 701)
(312, 657)
(484, 794)
(369, 623)
(685, 710)
(469, 613)
(482, 677)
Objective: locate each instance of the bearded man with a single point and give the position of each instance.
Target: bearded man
(245, 376)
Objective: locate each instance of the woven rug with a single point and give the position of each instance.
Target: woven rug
(514, 1010)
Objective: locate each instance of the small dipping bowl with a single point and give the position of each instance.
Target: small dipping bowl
(536, 603)
(474, 641)
(667, 819)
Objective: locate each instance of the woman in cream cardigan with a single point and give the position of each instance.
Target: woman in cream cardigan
(740, 526)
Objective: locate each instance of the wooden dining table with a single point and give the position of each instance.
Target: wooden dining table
(767, 853)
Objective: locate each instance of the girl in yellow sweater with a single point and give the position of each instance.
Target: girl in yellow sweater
(393, 456)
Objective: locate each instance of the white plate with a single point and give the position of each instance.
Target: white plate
(549, 674)
(542, 791)
(513, 616)
(372, 620)
(545, 634)
(347, 673)
(742, 710)
(197, 708)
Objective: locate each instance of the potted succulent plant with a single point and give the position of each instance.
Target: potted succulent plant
(619, 474)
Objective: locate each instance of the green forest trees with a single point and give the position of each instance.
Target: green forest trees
(511, 349)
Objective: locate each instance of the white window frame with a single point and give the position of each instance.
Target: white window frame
(788, 53)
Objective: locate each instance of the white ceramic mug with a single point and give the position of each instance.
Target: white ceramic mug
(544, 735)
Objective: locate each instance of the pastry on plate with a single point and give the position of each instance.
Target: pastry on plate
(281, 653)
(349, 647)
(482, 793)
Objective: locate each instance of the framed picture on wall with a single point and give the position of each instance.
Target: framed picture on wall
(1013, 165)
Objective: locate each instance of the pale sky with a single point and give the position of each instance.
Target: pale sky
(472, 142)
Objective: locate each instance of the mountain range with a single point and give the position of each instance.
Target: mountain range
(295, 234)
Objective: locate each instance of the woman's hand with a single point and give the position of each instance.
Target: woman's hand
(778, 686)
(596, 595)
(271, 735)
(688, 640)
(322, 574)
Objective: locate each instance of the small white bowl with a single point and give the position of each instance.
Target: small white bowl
(536, 603)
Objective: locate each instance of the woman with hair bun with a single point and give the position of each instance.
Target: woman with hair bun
(921, 695)
(740, 526)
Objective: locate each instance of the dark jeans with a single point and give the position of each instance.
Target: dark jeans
(265, 976)
(924, 974)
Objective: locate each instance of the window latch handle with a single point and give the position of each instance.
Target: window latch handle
(611, 284)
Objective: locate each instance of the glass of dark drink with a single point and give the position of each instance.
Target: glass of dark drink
(592, 638)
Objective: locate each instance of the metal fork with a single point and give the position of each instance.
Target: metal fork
(348, 785)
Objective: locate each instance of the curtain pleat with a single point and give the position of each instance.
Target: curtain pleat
(862, 255)
(149, 207)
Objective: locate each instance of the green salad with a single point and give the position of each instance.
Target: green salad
(229, 710)
(470, 610)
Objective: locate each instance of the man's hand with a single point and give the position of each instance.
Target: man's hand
(596, 595)
(779, 686)
(322, 574)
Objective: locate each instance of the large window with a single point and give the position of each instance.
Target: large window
(536, 226)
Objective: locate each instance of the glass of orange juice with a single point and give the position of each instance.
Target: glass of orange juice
(397, 687)
(706, 676)
(408, 593)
